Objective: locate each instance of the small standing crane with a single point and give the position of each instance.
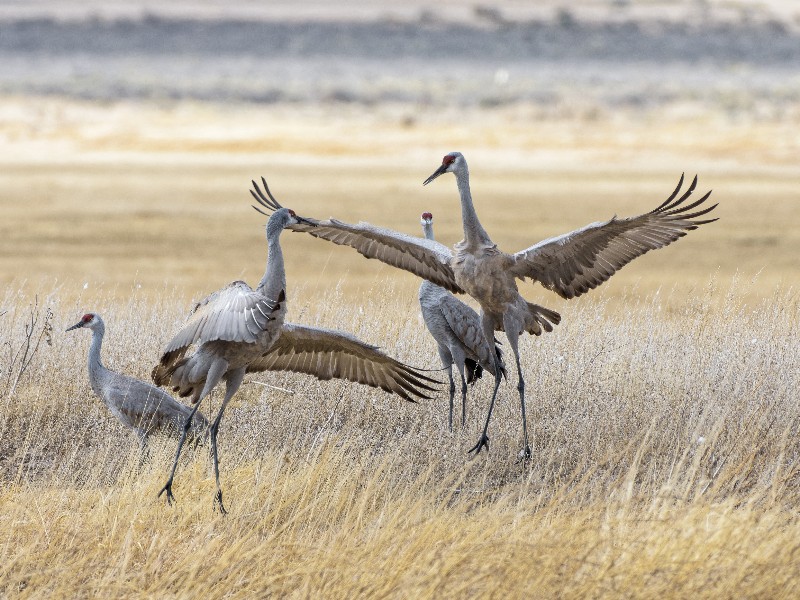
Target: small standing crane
(137, 404)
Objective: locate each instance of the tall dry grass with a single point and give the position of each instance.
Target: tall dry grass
(665, 463)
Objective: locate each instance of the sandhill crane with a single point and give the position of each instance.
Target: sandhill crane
(569, 265)
(238, 330)
(137, 404)
(457, 330)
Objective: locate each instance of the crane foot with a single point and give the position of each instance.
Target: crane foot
(218, 503)
(524, 454)
(483, 442)
(168, 488)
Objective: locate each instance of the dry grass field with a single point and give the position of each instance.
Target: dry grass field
(664, 409)
(665, 464)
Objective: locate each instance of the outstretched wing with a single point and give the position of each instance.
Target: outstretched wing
(329, 354)
(574, 263)
(422, 257)
(236, 313)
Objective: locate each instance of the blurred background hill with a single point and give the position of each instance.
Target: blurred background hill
(565, 59)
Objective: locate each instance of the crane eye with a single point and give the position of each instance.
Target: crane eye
(87, 318)
(448, 160)
(291, 212)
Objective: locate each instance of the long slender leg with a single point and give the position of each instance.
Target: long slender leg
(144, 450)
(213, 377)
(452, 394)
(459, 358)
(447, 363)
(513, 341)
(488, 330)
(463, 397)
(233, 381)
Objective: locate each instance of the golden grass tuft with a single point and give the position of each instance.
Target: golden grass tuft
(665, 463)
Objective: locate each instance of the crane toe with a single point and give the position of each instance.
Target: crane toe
(218, 503)
(168, 489)
(482, 443)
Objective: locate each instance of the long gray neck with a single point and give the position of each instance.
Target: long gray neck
(96, 368)
(426, 287)
(474, 233)
(274, 280)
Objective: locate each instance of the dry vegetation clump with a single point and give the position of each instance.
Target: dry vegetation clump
(665, 462)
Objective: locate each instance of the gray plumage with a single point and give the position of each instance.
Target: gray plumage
(136, 404)
(459, 336)
(239, 330)
(569, 265)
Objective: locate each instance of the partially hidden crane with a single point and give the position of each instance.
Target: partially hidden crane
(137, 404)
(456, 327)
(569, 265)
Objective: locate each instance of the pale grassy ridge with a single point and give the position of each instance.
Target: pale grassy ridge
(665, 463)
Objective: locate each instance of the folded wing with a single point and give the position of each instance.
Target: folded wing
(466, 325)
(236, 313)
(572, 264)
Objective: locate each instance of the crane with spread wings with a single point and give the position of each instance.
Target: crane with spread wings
(569, 265)
(239, 330)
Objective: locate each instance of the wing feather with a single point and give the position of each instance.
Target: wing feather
(228, 314)
(576, 262)
(329, 354)
(425, 258)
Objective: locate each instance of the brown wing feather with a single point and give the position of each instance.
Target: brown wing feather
(425, 258)
(329, 354)
(574, 263)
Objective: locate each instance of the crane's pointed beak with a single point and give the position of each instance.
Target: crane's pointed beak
(305, 221)
(439, 171)
(78, 324)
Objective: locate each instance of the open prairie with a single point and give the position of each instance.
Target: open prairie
(135, 194)
(663, 409)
